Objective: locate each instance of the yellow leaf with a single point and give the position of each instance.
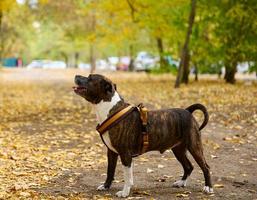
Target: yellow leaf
(218, 186)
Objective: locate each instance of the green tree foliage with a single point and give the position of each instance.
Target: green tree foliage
(223, 34)
(237, 31)
(5, 28)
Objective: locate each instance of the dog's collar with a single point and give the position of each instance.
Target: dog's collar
(114, 119)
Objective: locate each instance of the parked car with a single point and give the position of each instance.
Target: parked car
(243, 67)
(101, 64)
(145, 61)
(85, 66)
(36, 64)
(46, 64)
(104, 65)
(55, 65)
(113, 62)
(123, 63)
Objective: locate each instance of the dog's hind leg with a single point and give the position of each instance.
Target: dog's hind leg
(196, 149)
(180, 153)
(126, 161)
(112, 162)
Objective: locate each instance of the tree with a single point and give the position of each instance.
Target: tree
(71, 29)
(185, 57)
(5, 7)
(237, 34)
(228, 29)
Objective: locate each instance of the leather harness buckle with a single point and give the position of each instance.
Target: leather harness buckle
(144, 118)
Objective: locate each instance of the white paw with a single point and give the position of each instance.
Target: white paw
(123, 193)
(102, 188)
(180, 183)
(207, 190)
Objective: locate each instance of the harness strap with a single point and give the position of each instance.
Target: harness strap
(114, 119)
(144, 118)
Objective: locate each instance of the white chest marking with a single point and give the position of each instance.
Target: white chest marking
(107, 141)
(102, 110)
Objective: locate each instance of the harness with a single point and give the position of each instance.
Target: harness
(118, 116)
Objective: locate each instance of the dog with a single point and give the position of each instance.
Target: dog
(174, 129)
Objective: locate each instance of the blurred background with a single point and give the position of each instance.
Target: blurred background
(215, 37)
(49, 148)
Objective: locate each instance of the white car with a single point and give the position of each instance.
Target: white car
(243, 67)
(104, 65)
(145, 61)
(46, 64)
(113, 62)
(84, 66)
(55, 65)
(36, 64)
(101, 64)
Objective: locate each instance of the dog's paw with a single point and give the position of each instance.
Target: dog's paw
(123, 193)
(208, 190)
(102, 188)
(180, 183)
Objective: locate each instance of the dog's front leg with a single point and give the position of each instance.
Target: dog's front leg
(126, 161)
(112, 162)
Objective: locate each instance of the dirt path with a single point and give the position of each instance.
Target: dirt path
(49, 148)
(233, 172)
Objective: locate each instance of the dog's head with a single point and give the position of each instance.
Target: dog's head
(94, 88)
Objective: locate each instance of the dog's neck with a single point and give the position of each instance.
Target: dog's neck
(103, 108)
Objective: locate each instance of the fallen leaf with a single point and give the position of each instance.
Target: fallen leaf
(20, 186)
(25, 194)
(141, 193)
(218, 186)
(180, 195)
(167, 176)
(213, 156)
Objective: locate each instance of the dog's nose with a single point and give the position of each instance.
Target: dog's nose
(79, 80)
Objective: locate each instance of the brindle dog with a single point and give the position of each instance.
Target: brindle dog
(174, 129)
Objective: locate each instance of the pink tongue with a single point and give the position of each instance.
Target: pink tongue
(78, 87)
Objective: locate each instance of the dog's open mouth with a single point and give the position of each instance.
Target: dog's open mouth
(79, 89)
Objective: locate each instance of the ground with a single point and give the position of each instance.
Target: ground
(49, 148)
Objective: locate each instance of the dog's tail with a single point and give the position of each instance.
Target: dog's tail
(201, 107)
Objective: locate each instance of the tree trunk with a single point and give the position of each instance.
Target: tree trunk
(219, 73)
(92, 58)
(133, 10)
(161, 51)
(76, 56)
(196, 73)
(66, 58)
(230, 72)
(131, 66)
(184, 58)
(186, 68)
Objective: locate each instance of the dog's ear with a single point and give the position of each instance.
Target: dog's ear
(107, 87)
(115, 86)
